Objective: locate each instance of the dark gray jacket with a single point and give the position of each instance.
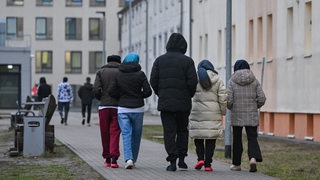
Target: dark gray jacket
(103, 80)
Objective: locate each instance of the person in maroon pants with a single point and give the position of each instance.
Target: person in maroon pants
(108, 113)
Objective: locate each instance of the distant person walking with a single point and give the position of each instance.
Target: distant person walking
(85, 93)
(245, 97)
(208, 106)
(174, 81)
(108, 113)
(65, 97)
(44, 90)
(130, 87)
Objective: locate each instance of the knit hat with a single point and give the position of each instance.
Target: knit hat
(131, 57)
(204, 78)
(241, 64)
(114, 58)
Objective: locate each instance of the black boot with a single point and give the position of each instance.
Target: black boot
(172, 166)
(182, 165)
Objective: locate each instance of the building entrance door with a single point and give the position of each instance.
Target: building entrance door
(10, 89)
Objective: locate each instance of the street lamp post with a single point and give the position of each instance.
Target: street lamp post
(227, 139)
(104, 36)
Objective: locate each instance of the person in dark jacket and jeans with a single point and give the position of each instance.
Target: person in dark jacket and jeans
(108, 113)
(130, 87)
(174, 81)
(85, 93)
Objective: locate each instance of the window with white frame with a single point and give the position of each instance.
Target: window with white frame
(73, 29)
(14, 27)
(95, 29)
(95, 61)
(43, 28)
(97, 3)
(73, 3)
(73, 60)
(15, 2)
(44, 3)
(43, 61)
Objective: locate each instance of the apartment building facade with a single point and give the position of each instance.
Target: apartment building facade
(277, 38)
(68, 37)
(283, 34)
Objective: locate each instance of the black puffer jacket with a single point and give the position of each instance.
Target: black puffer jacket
(173, 76)
(131, 86)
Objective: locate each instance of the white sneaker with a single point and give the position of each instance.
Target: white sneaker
(129, 164)
(235, 168)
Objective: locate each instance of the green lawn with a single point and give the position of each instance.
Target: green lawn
(282, 158)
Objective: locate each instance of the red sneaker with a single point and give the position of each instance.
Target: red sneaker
(199, 164)
(114, 165)
(106, 163)
(208, 169)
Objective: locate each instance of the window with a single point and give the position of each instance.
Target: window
(308, 29)
(43, 61)
(73, 29)
(15, 27)
(15, 2)
(43, 28)
(251, 40)
(73, 3)
(95, 61)
(269, 37)
(260, 38)
(95, 29)
(44, 3)
(98, 3)
(73, 62)
(290, 33)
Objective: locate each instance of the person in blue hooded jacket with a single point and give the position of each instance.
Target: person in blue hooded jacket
(130, 87)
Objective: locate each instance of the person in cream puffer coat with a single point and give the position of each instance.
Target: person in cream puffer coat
(208, 106)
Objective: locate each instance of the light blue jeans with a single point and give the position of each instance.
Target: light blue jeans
(131, 130)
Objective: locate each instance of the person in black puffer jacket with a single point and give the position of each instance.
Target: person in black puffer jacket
(174, 81)
(130, 87)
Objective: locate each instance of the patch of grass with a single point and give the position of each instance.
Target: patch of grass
(282, 158)
(61, 164)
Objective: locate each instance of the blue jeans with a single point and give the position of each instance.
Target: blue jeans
(131, 130)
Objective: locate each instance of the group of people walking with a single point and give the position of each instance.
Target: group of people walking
(191, 102)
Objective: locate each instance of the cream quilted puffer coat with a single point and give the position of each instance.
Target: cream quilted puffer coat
(208, 107)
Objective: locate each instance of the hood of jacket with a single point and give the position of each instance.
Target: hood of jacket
(213, 77)
(243, 77)
(177, 43)
(128, 67)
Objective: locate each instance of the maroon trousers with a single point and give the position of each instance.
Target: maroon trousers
(110, 132)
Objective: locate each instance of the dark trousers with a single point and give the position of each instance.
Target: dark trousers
(83, 110)
(176, 134)
(253, 145)
(110, 132)
(205, 150)
(64, 106)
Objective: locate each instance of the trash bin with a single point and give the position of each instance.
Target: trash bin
(33, 136)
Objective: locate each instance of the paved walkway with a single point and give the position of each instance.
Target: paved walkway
(85, 142)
